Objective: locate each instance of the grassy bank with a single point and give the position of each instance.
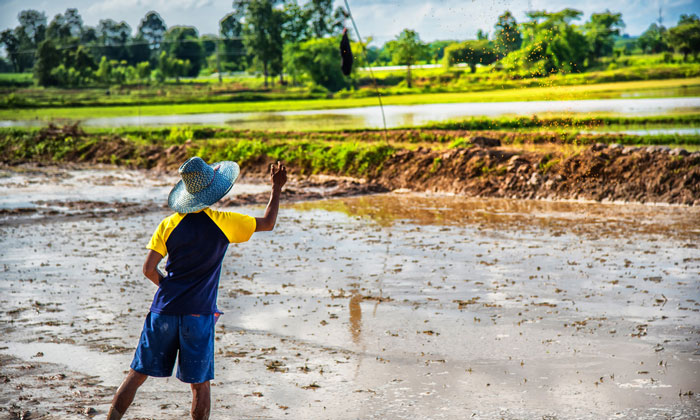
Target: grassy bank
(486, 78)
(638, 89)
(567, 122)
(528, 165)
(562, 127)
(342, 152)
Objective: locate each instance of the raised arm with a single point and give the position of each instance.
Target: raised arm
(278, 177)
(150, 267)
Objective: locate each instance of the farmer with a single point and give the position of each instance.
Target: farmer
(181, 319)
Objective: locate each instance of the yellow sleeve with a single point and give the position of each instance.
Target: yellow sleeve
(237, 227)
(160, 236)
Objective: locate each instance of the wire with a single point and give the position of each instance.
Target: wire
(371, 73)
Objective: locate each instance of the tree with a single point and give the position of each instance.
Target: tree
(685, 37)
(152, 30)
(143, 70)
(232, 48)
(551, 43)
(139, 50)
(295, 27)
(104, 70)
(83, 61)
(22, 42)
(66, 28)
(470, 52)
(507, 37)
(89, 35)
(481, 35)
(112, 39)
(12, 48)
(436, 49)
(208, 42)
(319, 59)
(262, 33)
(653, 39)
(6, 67)
(600, 32)
(406, 50)
(323, 19)
(48, 57)
(182, 42)
(32, 24)
(170, 66)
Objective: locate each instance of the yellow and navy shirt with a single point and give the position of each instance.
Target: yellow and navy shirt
(195, 244)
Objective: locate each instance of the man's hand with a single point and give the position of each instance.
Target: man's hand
(278, 175)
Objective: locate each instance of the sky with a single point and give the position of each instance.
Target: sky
(381, 19)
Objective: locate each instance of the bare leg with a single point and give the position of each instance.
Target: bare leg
(201, 401)
(125, 394)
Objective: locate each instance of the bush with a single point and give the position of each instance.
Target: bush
(179, 135)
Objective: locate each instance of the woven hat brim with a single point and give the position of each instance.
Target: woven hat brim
(181, 201)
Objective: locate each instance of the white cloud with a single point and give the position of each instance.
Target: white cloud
(382, 19)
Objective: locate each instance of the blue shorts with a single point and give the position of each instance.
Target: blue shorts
(164, 336)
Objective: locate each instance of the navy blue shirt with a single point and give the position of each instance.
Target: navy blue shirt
(195, 244)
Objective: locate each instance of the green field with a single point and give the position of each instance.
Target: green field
(19, 91)
(16, 80)
(637, 89)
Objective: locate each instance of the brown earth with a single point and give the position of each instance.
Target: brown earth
(599, 172)
(654, 174)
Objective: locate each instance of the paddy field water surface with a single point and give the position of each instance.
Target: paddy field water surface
(398, 305)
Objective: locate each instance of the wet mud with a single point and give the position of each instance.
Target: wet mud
(78, 192)
(392, 305)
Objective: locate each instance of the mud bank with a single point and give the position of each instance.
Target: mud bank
(652, 174)
(600, 173)
(473, 165)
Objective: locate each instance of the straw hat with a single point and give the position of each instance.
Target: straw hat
(202, 185)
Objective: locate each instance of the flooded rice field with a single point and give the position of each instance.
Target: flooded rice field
(398, 305)
(396, 115)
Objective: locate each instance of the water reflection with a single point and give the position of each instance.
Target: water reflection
(411, 115)
(355, 317)
(396, 115)
(581, 218)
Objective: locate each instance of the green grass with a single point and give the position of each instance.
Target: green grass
(249, 87)
(16, 79)
(341, 152)
(309, 156)
(640, 89)
(453, 133)
(626, 68)
(569, 122)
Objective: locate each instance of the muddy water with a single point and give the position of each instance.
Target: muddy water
(396, 115)
(399, 305)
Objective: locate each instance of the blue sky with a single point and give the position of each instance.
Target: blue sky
(381, 19)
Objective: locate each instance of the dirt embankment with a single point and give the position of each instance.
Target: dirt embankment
(653, 174)
(482, 167)
(600, 172)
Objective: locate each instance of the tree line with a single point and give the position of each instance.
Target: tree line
(282, 37)
(66, 52)
(548, 42)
